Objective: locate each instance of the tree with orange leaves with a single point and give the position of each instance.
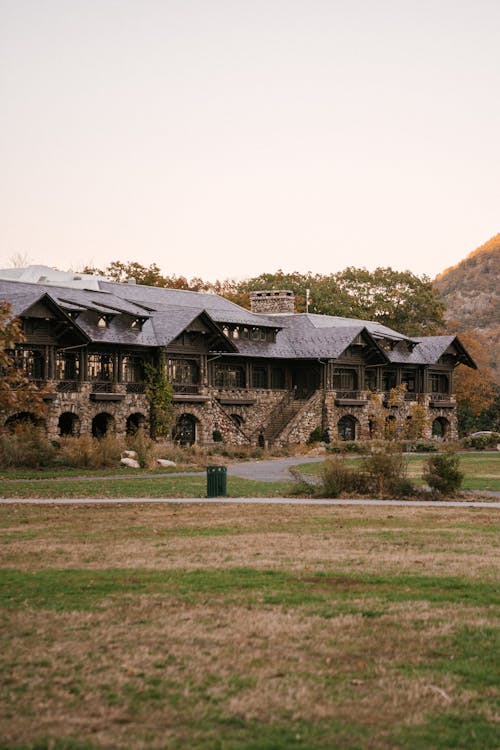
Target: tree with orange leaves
(474, 389)
(17, 393)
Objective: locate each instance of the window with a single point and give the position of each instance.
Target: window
(183, 371)
(439, 383)
(132, 369)
(67, 365)
(229, 376)
(259, 377)
(100, 367)
(370, 380)
(277, 378)
(408, 377)
(388, 379)
(345, 380)
(102, 322)
(32, 362)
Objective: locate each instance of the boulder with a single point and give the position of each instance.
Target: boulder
(165, 462)
(129, 454)
(130, 462)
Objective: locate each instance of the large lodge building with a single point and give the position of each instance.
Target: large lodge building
(267, 375)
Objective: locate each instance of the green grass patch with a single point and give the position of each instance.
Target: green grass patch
(471, 654)
(449, 731)
(87, 589)
(159, 487)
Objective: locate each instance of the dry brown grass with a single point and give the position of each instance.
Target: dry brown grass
(284, 537)
(152, 670)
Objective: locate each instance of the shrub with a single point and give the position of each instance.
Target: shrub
(316, 436)
(143, 446)
(77, 452)
(481, 442)
(26, 447)
(108, 451)
(426, 446)
(442, 473)
(386, 470)
(86, 451)
(339, 475)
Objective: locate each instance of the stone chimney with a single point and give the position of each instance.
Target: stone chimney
(273, 301)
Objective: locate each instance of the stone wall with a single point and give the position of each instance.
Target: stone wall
(255, 415)
(84, 409)
(304, 422)
(272, 301)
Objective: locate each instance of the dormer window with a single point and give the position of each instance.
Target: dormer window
(136, 324)
(103, 321)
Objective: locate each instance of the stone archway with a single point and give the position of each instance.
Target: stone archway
(102, 424)
(23, 419)
(68, 424)
(135, 421)
(348, 427)
(185, 429)
(440, 428)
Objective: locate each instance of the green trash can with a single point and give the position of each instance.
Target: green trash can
(216, 481)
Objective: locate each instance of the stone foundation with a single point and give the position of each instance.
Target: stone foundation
(241, 415)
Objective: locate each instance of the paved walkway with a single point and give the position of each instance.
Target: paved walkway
(248, 501)
(274, 470)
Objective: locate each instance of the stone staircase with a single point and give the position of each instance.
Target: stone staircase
(281, 419)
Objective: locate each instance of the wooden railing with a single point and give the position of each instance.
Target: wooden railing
(189, 388)
(68, 386)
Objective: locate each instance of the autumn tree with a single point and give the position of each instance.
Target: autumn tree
(398, 299)
(475, 390)
(17, 393)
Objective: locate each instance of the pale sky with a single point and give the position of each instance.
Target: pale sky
(225, 138)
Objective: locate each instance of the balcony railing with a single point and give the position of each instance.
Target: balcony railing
(68, 386)
(351, 395)
(440, 397)
(135, 387)
(102, 387)
(189, 388)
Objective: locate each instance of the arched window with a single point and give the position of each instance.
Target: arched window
(134, 422)
(68, 424)
(184, 431)
(440, 428)
(347, 428)
(102, 424)
(23, 419)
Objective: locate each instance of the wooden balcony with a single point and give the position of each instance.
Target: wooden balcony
(350, 398)
(105, 391)
(442, 401)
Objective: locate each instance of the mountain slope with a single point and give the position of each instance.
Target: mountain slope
(471, 292)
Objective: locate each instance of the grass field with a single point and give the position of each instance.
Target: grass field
(234, 627)
(482, 472)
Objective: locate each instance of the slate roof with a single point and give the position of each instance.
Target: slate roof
(167, 312)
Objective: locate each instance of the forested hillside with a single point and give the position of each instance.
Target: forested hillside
(471, 293)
